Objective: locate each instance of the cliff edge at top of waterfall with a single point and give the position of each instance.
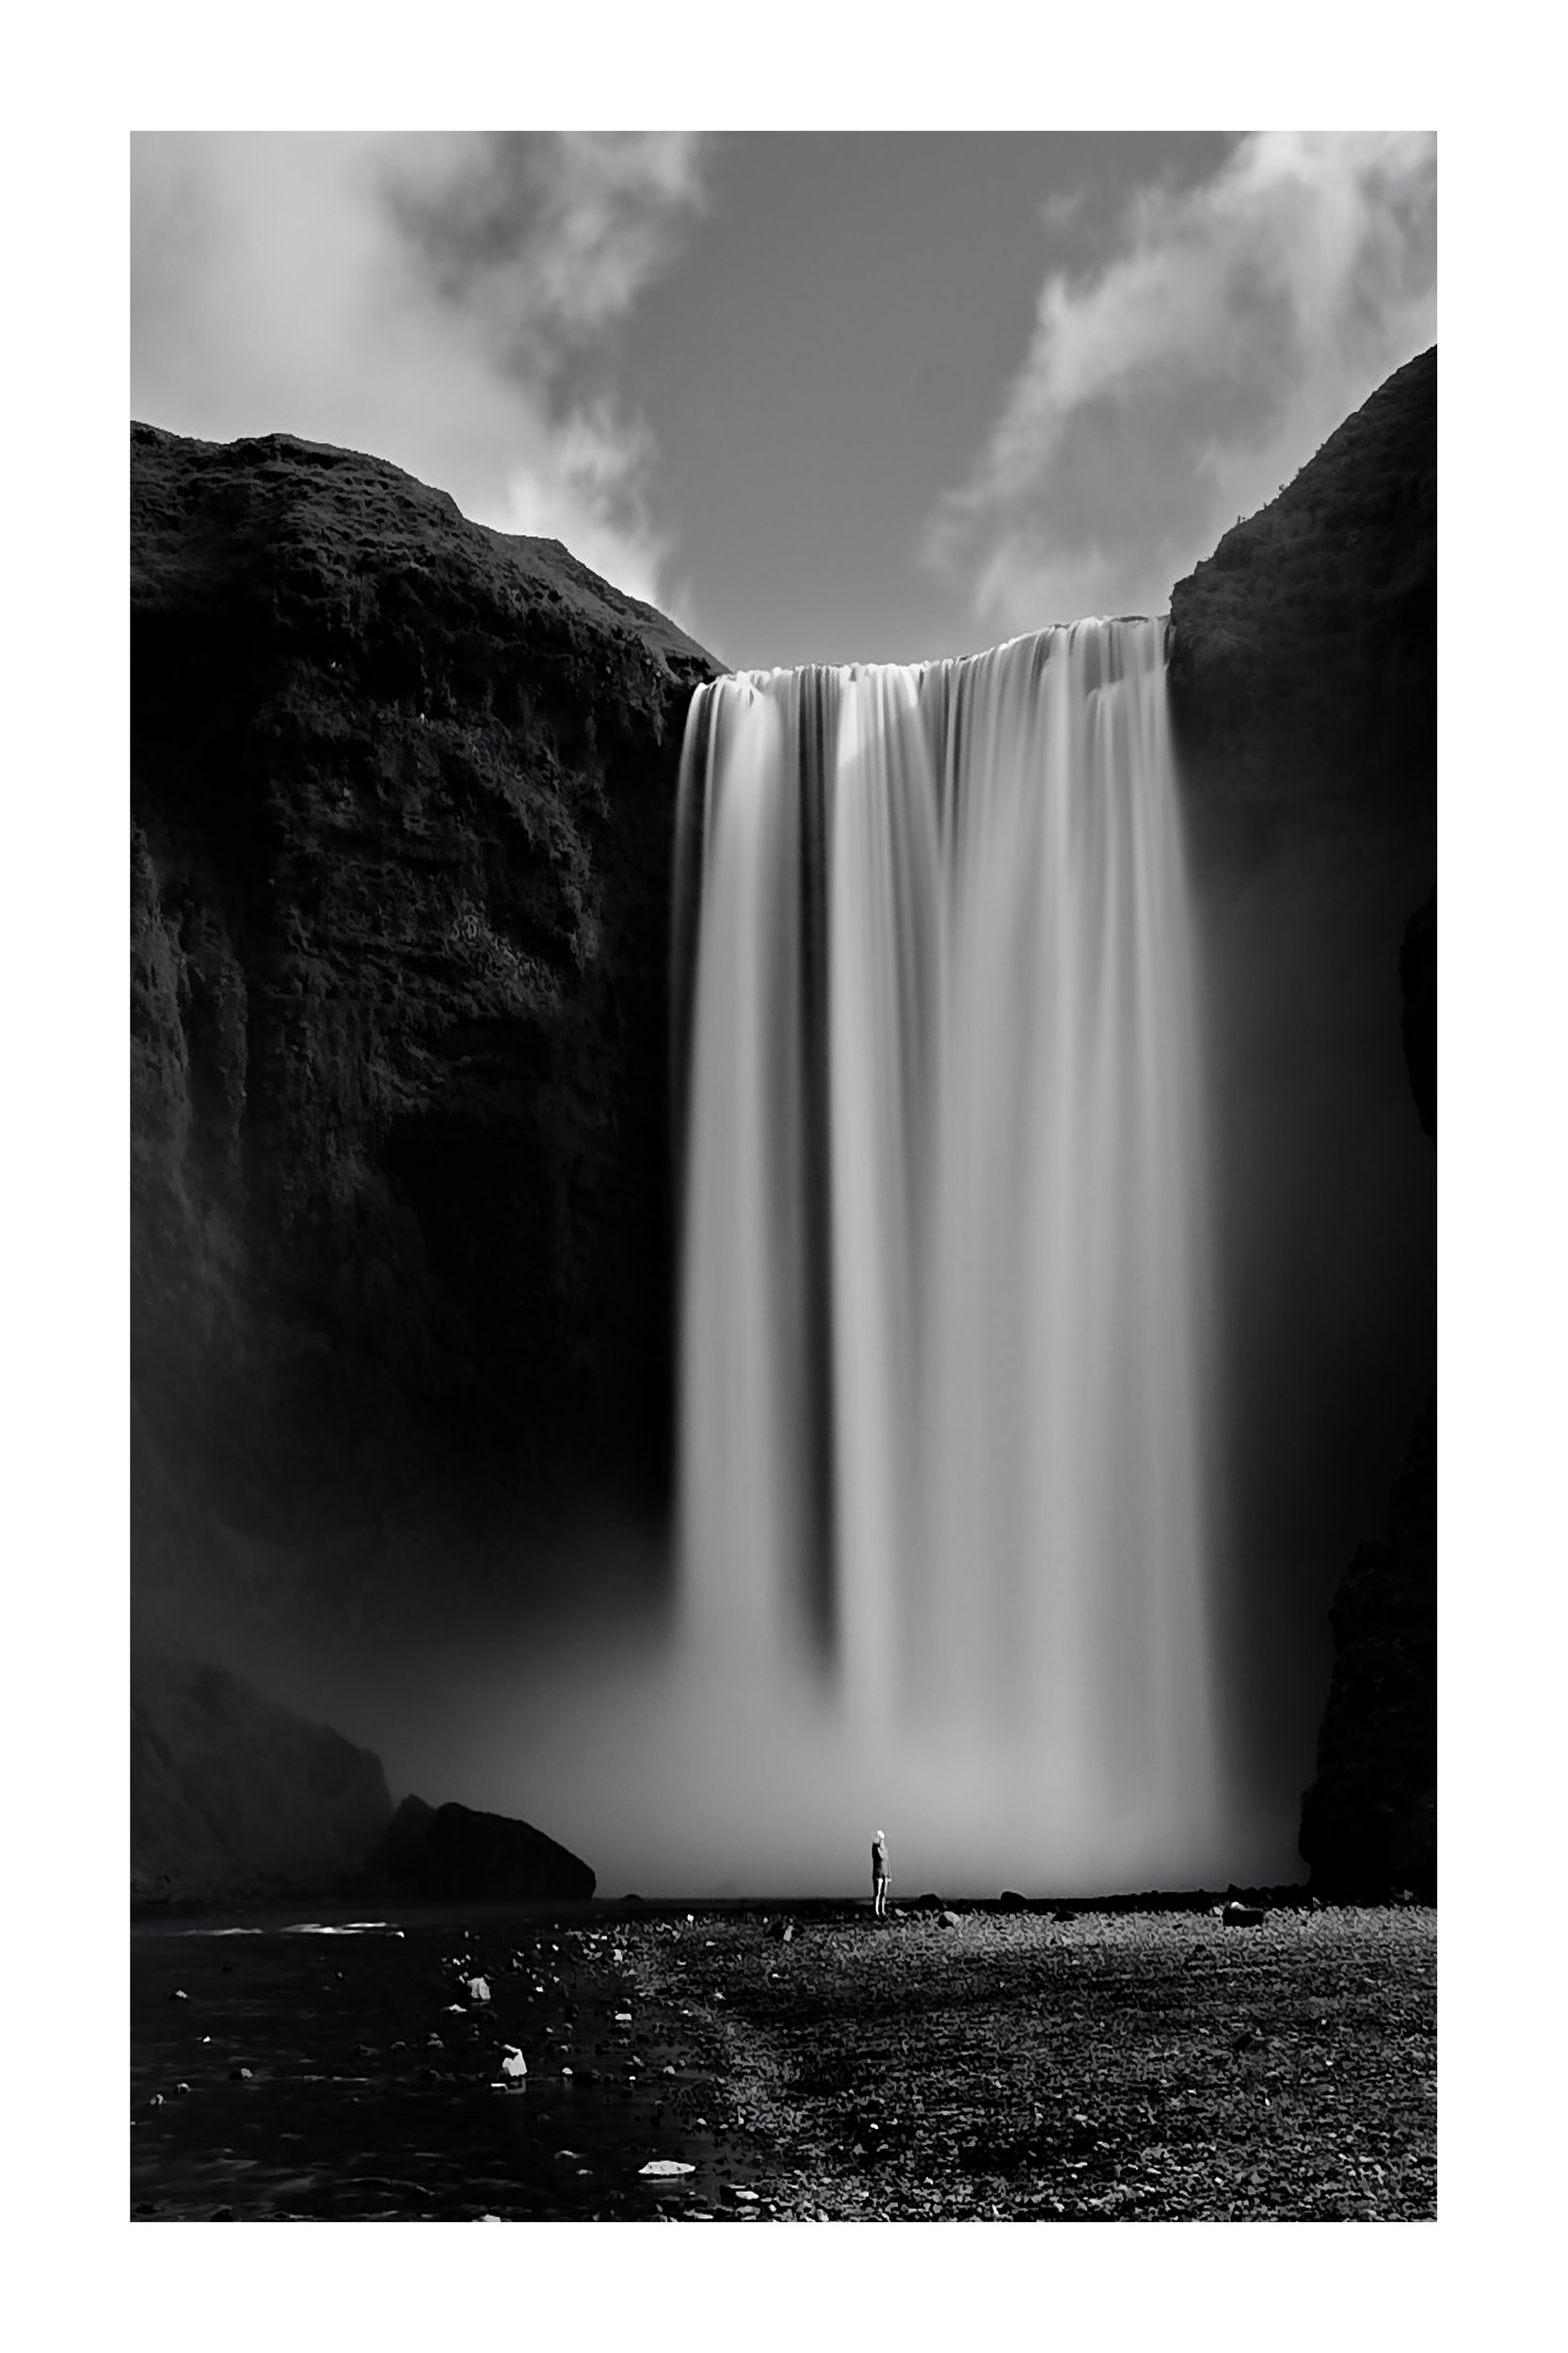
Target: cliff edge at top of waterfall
(204, 511)
(1303, 658)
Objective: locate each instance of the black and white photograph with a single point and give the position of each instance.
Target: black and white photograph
(783, 1123)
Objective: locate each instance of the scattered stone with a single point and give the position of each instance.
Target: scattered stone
(156, 2101)
(783, 1930)
(1242, 1915)
(666, 2169)
(239, 2075)
(478, 1988)
(740, 2197)
(179, 1995)
(512, 2061)
(947, 1919)
(623, 2017)
(182, 2088)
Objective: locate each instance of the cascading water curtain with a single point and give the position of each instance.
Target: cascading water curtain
(944, 1374)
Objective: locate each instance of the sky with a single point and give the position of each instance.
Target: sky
(820, 397)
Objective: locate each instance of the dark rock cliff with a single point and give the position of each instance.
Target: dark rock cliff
(1370, 1819)
(1304, 705)
(1303, 652)
(233, 1794)
(402, 790)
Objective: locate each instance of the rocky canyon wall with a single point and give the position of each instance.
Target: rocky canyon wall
(401, 801)
(1305, 700)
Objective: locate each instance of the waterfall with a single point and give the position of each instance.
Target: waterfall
(944, 1383)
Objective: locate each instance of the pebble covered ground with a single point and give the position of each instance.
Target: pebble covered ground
(744, 2065)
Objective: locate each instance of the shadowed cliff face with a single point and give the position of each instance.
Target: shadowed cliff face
(1304, 705)
(1304, 656)
(402, 790)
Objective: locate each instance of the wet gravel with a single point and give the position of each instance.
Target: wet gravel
(1106, 2066)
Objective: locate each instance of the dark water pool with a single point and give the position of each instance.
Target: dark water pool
(349, 2110)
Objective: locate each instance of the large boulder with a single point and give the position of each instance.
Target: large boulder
(232, 1794)
(402, 807)
(454, 1853)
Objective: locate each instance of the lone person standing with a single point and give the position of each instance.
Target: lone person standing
(880, 1875)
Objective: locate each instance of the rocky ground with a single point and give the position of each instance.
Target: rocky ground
(1031, 2065)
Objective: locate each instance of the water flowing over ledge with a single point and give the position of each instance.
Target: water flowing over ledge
(945, 1387)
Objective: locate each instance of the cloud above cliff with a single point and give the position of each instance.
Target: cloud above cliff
(449, 302)
(1180, 379)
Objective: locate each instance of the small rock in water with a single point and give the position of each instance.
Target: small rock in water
(512, 2061)
(478, 1989)
(239, 2075)
(740, 2197)
(179, 1995)
(156, 2101)
(181, 2087)
(623, 2017)
(456, 2009)
(666, 2169)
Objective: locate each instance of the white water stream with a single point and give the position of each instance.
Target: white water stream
(945, 1393)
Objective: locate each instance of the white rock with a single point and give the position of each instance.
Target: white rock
(478, 1990)
(664, 2169)
(512, 2061)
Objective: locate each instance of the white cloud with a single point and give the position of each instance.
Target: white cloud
(586, 489)
(1180, 383)
(437, 299)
